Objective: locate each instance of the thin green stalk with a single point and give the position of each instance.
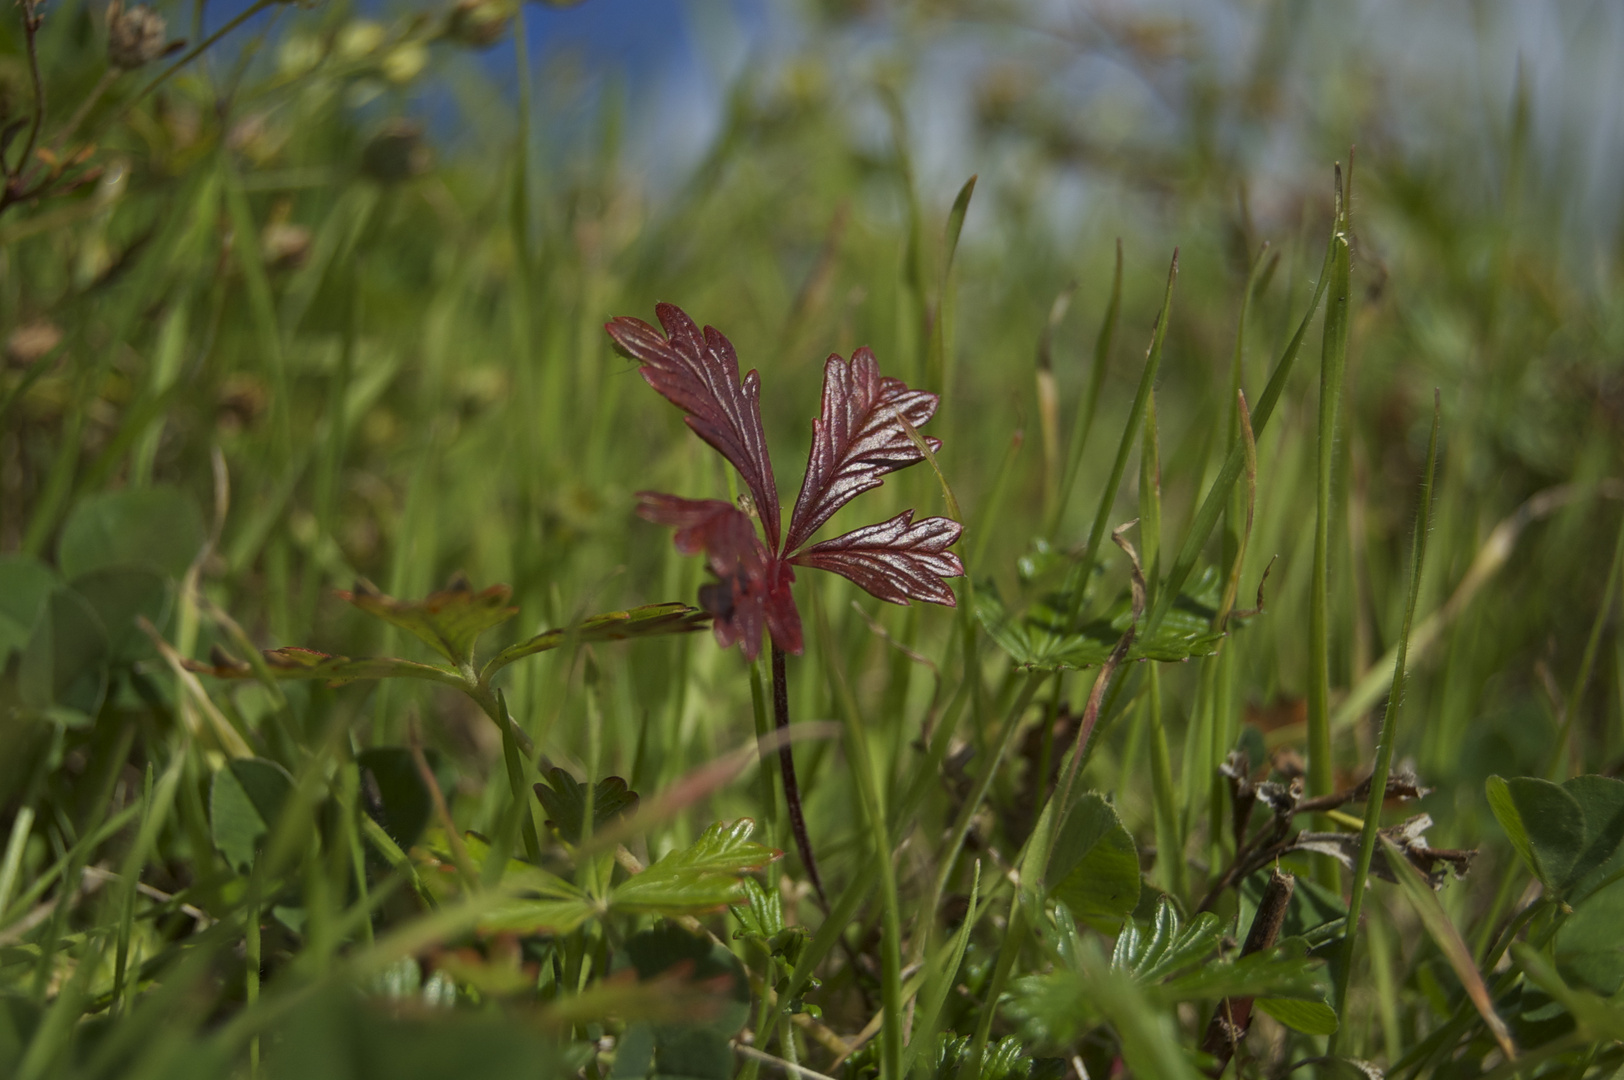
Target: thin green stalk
(1217, 498)
(874, 815)
(1321, 778)
(1389, 730)
(1587, 662)
(1084, 424)
(21, 826)
(948, 856)
(1130, 433)
(1170, 869)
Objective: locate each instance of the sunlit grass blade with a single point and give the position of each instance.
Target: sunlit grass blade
(1084, 423)
(1321, 771)
(1389, 730)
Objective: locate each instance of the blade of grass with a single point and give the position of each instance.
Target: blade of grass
(1084, 423)
(1389, 729)
(1333, 364)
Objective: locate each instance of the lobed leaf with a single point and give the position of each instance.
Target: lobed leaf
(894, 560)
(751, 592)
(650, 620)
(564, 799)
(1045, 637)
(1169, 946)
(857, 439)
(449, 621)
(699, 374)
(700, 878)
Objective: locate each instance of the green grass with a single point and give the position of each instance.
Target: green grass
(293, 355)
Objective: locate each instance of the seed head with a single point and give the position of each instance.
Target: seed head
(135, 37)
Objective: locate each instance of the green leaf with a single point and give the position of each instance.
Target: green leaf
(65, 661)
(1544, 822)
(564, 799)
(1589, 944)
(247, 797)
(449, 621)
(1285, 971)
(158, 527)
(1094, 869)
(1309, 1016)
(1601, 1018)
(701, 878)
(1166, 946)
(120, 595)
(1601, 799)
(1043, 637)
(25, 582)
(394, 792)
(716, 972)
(553, 906)
(650, 620)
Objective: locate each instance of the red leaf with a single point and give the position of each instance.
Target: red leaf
(699, 374)
(857, 440)
(751, 593)
(894, 560)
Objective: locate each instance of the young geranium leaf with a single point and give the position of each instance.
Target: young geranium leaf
(699, 374)
(856, 440)
(449, 621)
(895, 559)
(704, 877)
(751, 590)
(564, 799)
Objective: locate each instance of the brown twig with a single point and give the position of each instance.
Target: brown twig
(1233, 1016)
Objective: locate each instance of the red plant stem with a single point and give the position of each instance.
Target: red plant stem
(792, 790)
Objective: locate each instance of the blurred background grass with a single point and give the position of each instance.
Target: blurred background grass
(370, 264)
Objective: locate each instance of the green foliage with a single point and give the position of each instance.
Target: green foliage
(1094, 866)
(267, 334)
(246, 799)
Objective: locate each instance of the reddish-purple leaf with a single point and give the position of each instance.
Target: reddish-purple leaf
(894, 560)
(856, 440)
(751, 591)
(699, 374)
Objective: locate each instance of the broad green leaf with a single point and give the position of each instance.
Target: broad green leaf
(1604, 1019)
(1005, 1059)
(564, 799)
(1285, 971)
(1309, 1016)
(1601, 799)
(247, 797)
(25, 582)
(65, 661)
(394, 793)
(1043, 636)
(1544, 823)
(449, 621)
(648, 621)
(159, 527)
(120, 595)
(701, 878)
(716, 973)
(1094, 869)
(1589, 944)
(1166, 946)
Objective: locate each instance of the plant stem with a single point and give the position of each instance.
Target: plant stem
(1384, 745)
(792, 790)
